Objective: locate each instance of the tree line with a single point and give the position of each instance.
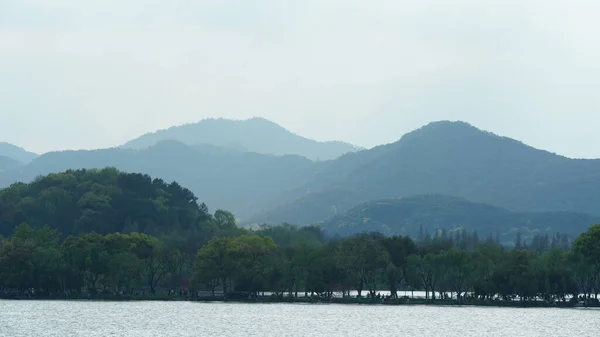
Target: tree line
(291, 262)
(109, 233)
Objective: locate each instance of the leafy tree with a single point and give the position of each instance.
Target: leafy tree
(214, 265)
(459, 269)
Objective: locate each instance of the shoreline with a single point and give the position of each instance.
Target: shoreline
(308, 300)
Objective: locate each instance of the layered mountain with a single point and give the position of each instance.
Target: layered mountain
(448, 158)
(7, 163)
(253, 135)
(242, 182)
(17, 153)
(451, 158)
(408, 216)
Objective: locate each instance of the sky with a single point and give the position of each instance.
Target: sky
(91, 74)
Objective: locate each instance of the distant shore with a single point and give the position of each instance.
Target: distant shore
(309, 300)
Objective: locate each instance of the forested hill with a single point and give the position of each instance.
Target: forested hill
(253, 135)
(408, 216)
(16, 153)
(102, 201)
(451, 158)
(241, 182)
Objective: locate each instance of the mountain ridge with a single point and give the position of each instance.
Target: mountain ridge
(7, 163)
(254, 135)
(452, 158)
(17, 153)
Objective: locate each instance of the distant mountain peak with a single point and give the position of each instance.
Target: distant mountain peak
(16, 152)
(462, 134)
(256, 134)
(449, 126)
(260, 120)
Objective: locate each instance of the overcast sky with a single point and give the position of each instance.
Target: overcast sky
(90, 74)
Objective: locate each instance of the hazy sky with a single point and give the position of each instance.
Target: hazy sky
(90, 74)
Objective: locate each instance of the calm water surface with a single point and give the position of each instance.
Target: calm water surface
(148, 319)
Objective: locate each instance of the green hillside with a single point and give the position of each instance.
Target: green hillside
(408, 216)
(102, 201)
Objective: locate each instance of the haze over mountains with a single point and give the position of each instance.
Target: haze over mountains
(7, 163)
(254, 135)
(240, 166)
(243, 182)
(16, 153)
(452, 158)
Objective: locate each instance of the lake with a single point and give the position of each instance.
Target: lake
(184, 319)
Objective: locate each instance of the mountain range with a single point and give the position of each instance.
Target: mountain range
(252, 135)
(451, 158)
(266, 174)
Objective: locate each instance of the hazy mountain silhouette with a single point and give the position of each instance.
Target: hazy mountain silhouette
(254, 135)
(7, 163)
(449, 158)
(405, 216)
(242, 182)
(452, 158)
(16, 153)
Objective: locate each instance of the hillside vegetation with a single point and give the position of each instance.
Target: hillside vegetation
(411, 215)
(103, 201)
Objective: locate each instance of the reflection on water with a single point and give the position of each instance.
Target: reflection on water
(147, 319)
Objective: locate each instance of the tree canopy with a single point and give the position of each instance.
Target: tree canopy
(35, 262)
(102, 201)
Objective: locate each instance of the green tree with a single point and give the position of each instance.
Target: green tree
(214, 265)
(459, 270)
(587, 246)
(248, 253)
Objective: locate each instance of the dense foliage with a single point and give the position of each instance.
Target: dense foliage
(35, 263)
(103, 201)
(406, 215)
